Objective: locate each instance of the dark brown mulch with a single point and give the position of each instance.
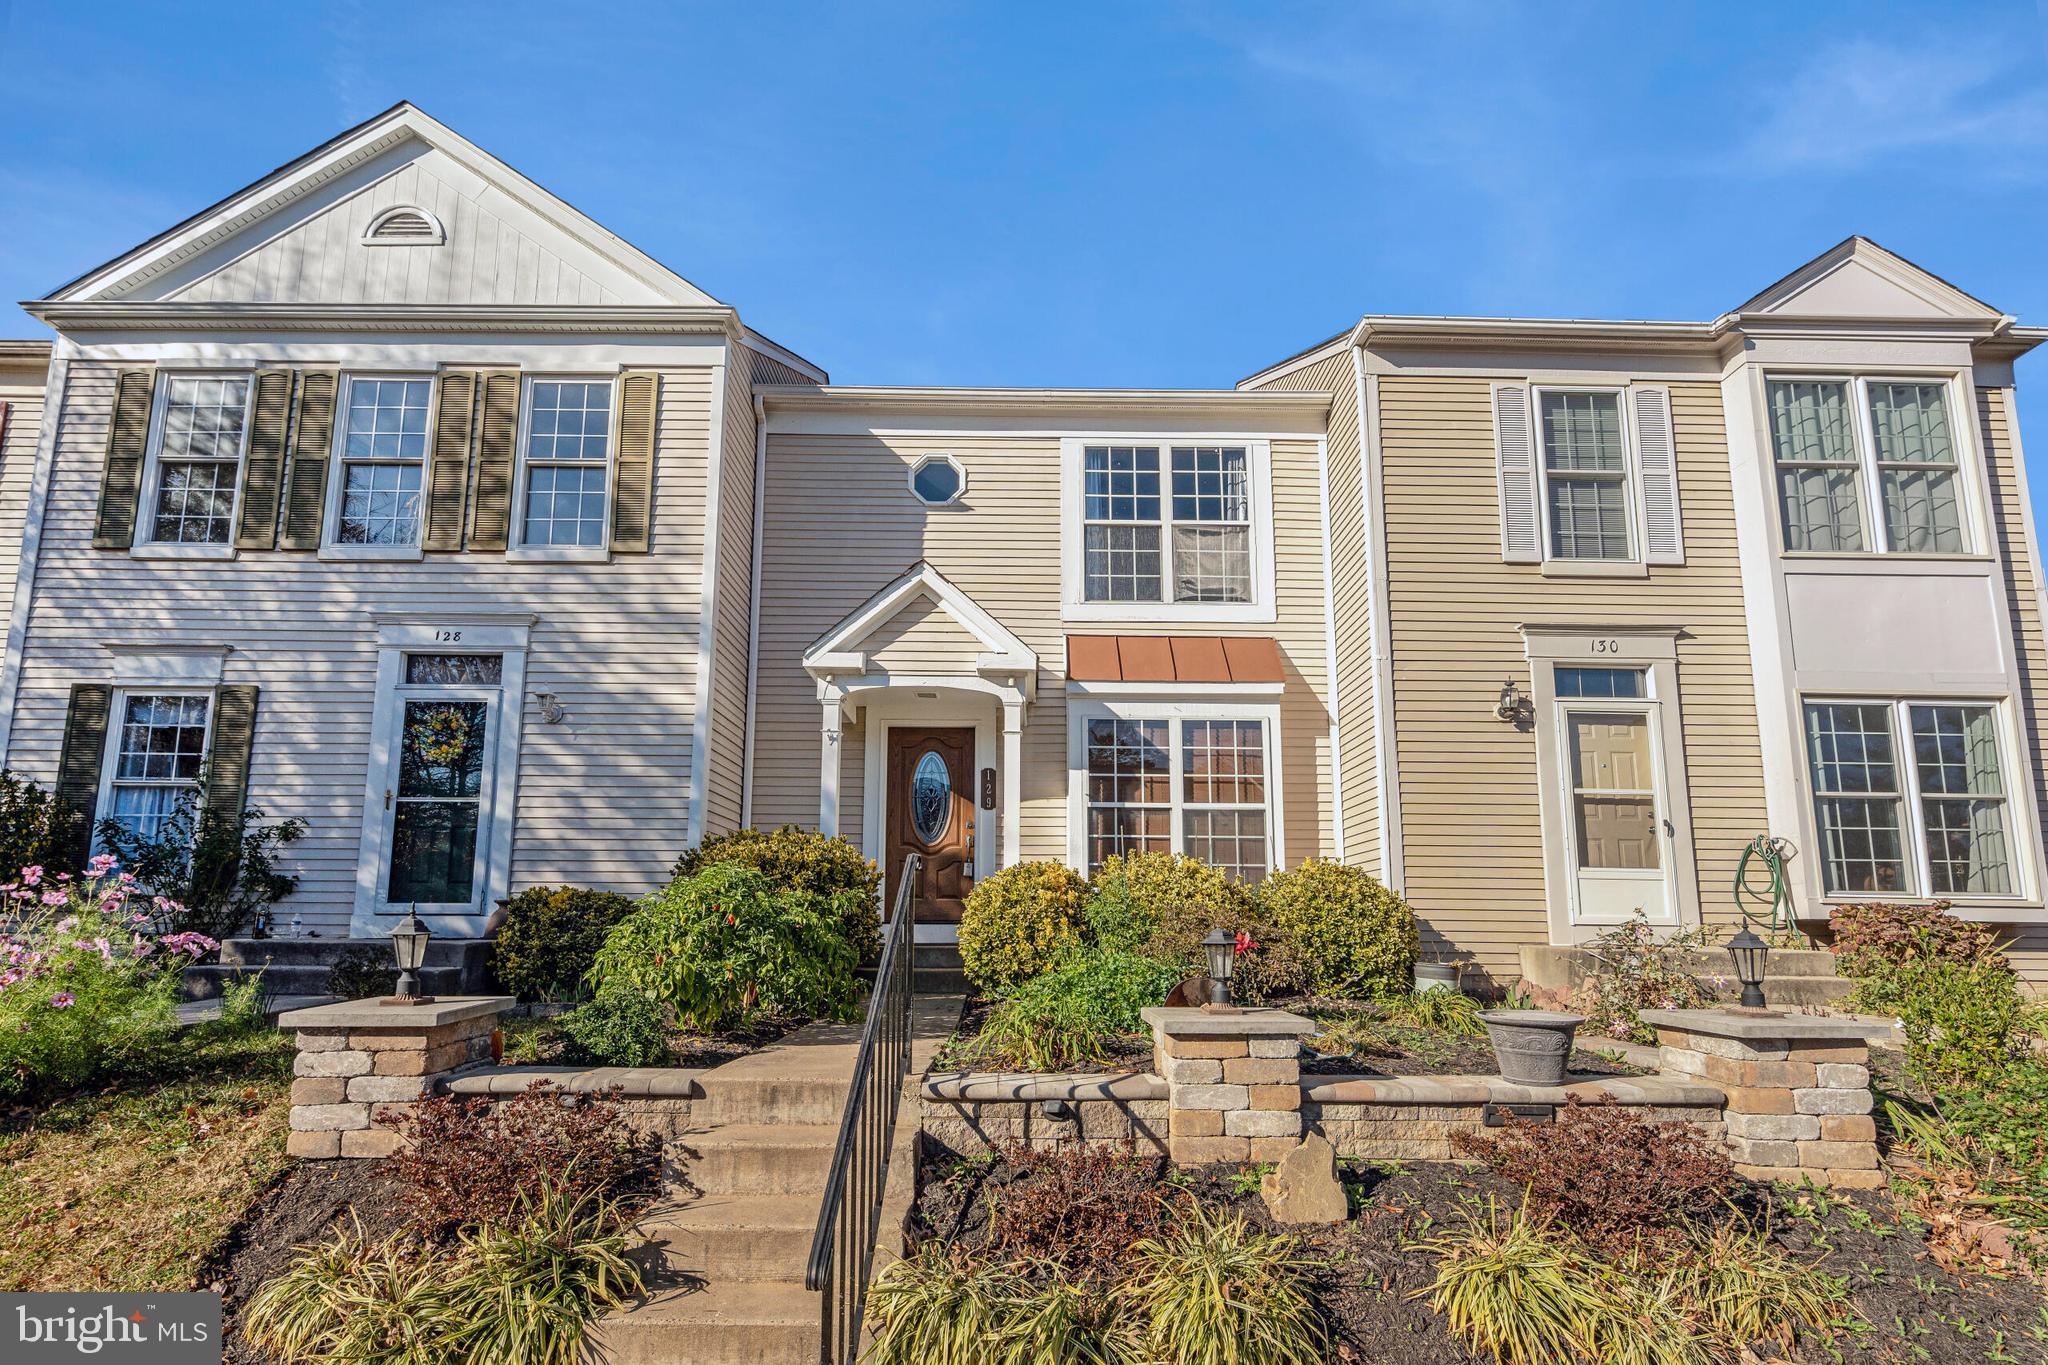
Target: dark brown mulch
(299, 1211)
(1374, 1281)
(706, 1050)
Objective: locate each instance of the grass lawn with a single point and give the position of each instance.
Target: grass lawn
(129, 1186)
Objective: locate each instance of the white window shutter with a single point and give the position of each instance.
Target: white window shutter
(1514, 445)
(1657, 459)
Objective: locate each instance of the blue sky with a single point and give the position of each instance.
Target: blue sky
(1133, 193)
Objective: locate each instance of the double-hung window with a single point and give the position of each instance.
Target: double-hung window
(1585, 474)
(567, 456)
(197, 458)
(1157, 783)
(155, 761)
(1168, 525)
(1929, 819)
(1841, 445)
(383, 441)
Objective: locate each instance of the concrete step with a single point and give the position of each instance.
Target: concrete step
(761, 1158)
(1797, 990)
(206, 982)
(1556, 968)
(740, 1322)
(764, 1237)
(769, 1099)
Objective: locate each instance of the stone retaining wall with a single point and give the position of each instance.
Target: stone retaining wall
(361, 1063)
(1413, 1118)
(972, 1114)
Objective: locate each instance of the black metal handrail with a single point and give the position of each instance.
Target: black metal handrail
(843, 1247)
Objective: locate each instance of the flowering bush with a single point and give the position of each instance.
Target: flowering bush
(1636, 969)
(88, 975)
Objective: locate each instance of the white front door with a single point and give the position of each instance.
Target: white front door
(1617, 823)
(439, 782)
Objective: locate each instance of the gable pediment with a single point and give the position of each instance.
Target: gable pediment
(1860, 279)
(921, 620)
(300, 236)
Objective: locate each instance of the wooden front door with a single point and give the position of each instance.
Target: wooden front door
(930, 795)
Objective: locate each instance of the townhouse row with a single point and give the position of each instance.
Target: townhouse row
(394, 495)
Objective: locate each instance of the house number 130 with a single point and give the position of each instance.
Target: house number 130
(1607, 646)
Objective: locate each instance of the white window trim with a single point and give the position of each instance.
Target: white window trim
(2021, 845)
(589, 554)
(1073, 539)
(937, 457)
(144, 546)
(400, 634)
(111, 755)
(1081, 711)
(1970, 468)
(1636, 564)
(331, 546)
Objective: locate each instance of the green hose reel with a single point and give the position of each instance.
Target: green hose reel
(1773, 899)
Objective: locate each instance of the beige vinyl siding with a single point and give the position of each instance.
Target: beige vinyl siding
(603, 797)
(21, 389)
(1996, 421)
(1473, 834)
(725, 773)
(841, 524)
(922, 638)
(1350, 575)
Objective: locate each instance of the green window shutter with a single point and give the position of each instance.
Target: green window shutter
(78, 767)
(448, 459)
(497, 434)
(227, 767)
(263, 467)
(633, 487)
(305, 504)
(121, 475)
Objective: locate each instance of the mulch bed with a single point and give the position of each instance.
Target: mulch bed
(300, 1210)
(688, 1051)
(1916, 1311)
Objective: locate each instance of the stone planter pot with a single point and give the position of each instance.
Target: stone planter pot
(1534, 1047)
(1436, 976)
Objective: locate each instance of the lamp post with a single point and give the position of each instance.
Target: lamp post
(1750, 954)
(1222, 950)
(409, 946)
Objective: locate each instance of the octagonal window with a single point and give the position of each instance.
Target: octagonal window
(937, 480)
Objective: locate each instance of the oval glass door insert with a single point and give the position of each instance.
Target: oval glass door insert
(931, 797)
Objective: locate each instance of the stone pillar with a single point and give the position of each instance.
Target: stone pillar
(1233, 1082)
(1798, 1090)
(362, 1060)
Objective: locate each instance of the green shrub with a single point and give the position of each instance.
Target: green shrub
(1020, 921)
(35, 831)
(937, 1307)
(1636, 968)
(1446, 1011)
(728, 945)
(1875, 944)
(1996, 1134)
(1354, 937)
(219, 871)
(616, 1028)
(803, 860)
(360, 973)
(550, 937)
(1964, 1022)
(1162, 905)
(1069, 1015)
(88, 985)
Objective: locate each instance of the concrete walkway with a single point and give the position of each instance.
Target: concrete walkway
(743, 1197)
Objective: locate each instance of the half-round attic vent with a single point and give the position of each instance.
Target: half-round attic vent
(405, 225)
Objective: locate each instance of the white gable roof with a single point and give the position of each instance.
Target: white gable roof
(840, 649)
(1860, 279)
(297, 236)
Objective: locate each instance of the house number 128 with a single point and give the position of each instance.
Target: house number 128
(447, 636)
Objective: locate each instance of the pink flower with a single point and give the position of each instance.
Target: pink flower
(62, 1000)
(53, 898)
(31, 876)
(101, 865)
(1245, 943)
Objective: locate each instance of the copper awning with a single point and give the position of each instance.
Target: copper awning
(1174, 658)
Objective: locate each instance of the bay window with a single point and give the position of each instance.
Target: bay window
(1843, 444)
(1929, 820)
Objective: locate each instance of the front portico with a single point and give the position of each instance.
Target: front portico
(939, 690)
